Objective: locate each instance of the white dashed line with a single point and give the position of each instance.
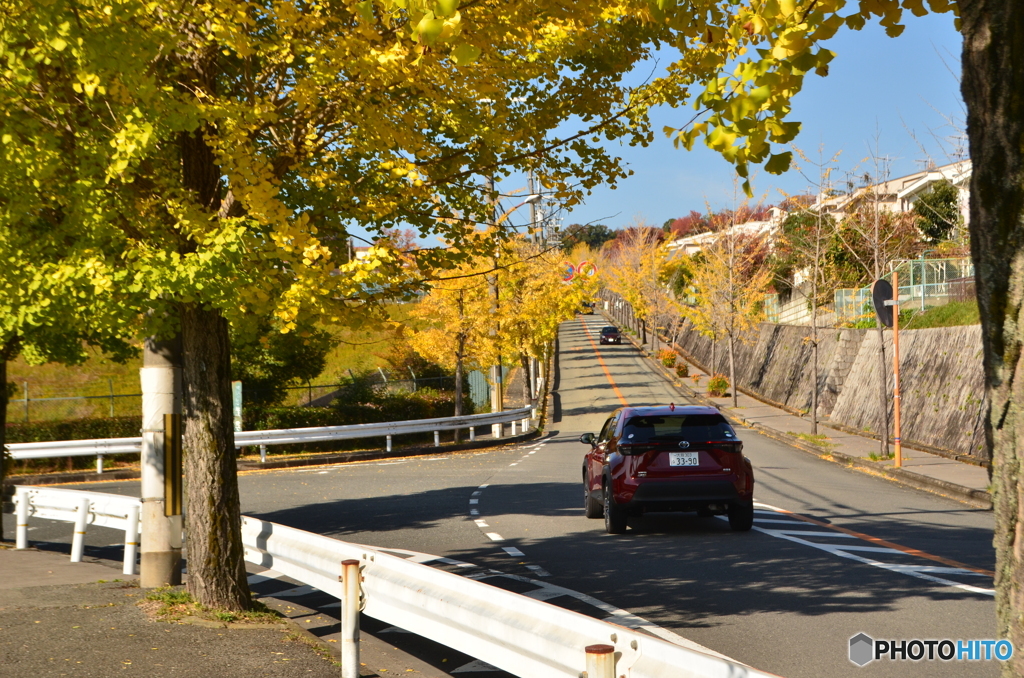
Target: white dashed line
(538, 570)
(474, 512)
(494, 536)
(475, 494)
(481, 523)
(516, 463)
(474, 501)
(484, 486)
(513, 551)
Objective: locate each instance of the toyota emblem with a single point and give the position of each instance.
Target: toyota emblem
(683, 444)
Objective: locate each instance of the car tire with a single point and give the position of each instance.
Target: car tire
(741, 516)
(614, 516)
(592, 508)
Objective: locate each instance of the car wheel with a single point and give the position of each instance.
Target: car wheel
(741, 516)
(614, 516)
(592, 508)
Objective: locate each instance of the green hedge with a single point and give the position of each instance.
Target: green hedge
(75, 429)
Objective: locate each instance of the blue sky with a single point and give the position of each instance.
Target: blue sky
(877, 86)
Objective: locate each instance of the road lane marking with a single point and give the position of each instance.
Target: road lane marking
(474, 512)
(474, 500)
(882, 542)
(925, 572)
(538, 570)
(604, 366)
(494, 536)
(481, 523)
(513, 551)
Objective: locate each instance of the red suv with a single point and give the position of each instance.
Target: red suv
(685, 458)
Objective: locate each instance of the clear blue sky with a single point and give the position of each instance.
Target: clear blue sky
(889, 87)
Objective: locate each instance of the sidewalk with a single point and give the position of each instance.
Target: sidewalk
(59, 618)
(923, 470)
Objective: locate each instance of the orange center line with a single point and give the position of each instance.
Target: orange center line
(882, 542)
(622, 398)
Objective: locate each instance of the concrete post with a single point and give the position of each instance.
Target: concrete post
(21, 512)
(350, 619)
(161, 394)
(78, 539)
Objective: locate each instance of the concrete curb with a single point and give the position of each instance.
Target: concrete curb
(977, 498)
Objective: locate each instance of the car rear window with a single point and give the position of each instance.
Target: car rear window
(693, 427)
(609, 330)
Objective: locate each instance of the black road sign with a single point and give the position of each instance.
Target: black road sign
(881, 292)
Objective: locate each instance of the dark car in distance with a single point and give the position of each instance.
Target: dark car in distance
(671, 458)
(587, 308)
(610, 335)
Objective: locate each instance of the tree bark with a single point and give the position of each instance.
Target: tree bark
(883, 393)
(732, 370)
(993, 89)
(458, 382)
(8, 352)
(216, 567)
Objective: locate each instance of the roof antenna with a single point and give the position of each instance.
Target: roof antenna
(672, 407)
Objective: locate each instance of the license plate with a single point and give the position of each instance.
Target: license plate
(683, 459)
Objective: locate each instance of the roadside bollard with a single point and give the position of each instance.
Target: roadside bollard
(99, 463)
(78, 540)
(263, 454)
(389, 444)
(350, 619)
(600, 661)
(526, 425)
(21, 512)
(131, 540)
(472, 433)
(513, 427)
(437, 439)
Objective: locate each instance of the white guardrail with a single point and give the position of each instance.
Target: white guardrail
(285, 436)
(82, 509)
(526, 637)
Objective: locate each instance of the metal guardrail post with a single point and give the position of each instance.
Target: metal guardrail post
(472, 433)
(350, 619)
(99, 463)
(78, 541)
(131, 540)
(21, 512)
(437, 439)
(263, 454)
(389, 443)
(600, 661)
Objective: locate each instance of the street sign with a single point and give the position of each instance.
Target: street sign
(568, 271)
(586, 268)
(881, 292)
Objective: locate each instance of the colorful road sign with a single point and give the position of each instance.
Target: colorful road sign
(568, 271)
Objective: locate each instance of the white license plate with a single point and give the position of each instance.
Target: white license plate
(683, 459)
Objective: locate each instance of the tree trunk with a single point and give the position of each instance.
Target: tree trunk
(732, 371)
(524, 363)
(814, 371)
(993, 89)
(883, 385)
(216, 568)
(458, 382)
(7, 353)
(714, 366)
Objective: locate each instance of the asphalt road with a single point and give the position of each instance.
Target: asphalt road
(873, 557)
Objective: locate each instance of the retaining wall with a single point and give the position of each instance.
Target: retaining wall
(941, 377)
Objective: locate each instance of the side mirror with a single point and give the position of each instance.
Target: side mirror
(587, 438)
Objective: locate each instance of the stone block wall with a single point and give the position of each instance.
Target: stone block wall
(941, 377)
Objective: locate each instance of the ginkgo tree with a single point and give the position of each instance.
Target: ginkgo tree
(224, 151)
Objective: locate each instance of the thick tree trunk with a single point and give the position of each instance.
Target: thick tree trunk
(8, 352)
(216, 568)
(993, 89)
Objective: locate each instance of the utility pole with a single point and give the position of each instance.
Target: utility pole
(161, 472)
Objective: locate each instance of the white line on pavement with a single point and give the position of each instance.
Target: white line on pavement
(513, 551)
(494, 536)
